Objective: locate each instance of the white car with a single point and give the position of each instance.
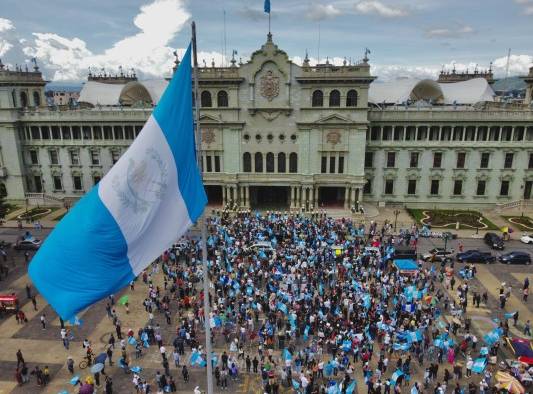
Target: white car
(527, 239)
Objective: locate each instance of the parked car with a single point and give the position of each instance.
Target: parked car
(28, 244)
(527, 239)
(515, 258)
(475, 256)
(494, 241)
(438, 254)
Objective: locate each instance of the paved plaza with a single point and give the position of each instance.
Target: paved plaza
(43, 347)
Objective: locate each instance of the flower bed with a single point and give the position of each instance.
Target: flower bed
(35, 213)
(524, 223)
(443, 218)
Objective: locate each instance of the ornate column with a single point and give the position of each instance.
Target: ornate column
(247, 196)
(347, 198)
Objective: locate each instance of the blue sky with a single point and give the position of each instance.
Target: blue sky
(406, 37)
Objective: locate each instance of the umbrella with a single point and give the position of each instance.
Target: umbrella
(98, 367)
(505, 229)
(123, 300)
(100, 359)
(508, 382)
(136, 369)
(74, 380)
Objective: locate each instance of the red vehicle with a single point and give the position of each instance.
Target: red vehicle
(9, 302)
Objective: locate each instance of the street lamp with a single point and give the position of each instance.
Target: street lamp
(446, 236)
(396, 213)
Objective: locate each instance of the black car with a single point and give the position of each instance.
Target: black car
(515, 258)
(475, 256)
(494, 241)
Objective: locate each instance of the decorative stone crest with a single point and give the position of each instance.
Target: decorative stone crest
(269, 86)
(333, 137)
(208, 136)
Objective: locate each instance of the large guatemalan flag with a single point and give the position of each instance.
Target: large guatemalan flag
(146, 201)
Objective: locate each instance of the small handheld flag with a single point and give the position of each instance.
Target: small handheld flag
(150, 197)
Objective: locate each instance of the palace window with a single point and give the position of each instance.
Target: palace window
(208, 164)
(246, 162)
(334, 98)
(341, 164)
(480, 191)
(97, 132)
(36, 99)
(282, 162)
(205, 99)
(270, 162)
(34, 157)
(129, 133)
(117, 131)
(54, 156)
(367, 189)
(504, 188)
(76, 133)
(222, 98)
(389, 186)
(217, 163)
(86, 131)
(434, 190)
(108, 133)
(95, 157)
(461, 158)
(74, 157)
(58, 183)
(422, 133)
(293, 163)
(482, 133)
(391, 159)
(23, 99)
(317, 99)
(76, 180)
(437, 160)
(115, 156)
(45, 132)
(484, 163)
(508, 160)
(413, 162)
(258, 162)
(457, 187)
(530, 161)
(56, 132)
(324, 165)
(411, 187)
(332, 164)
(369, 159)
(351, 98)
(458, 133)
(65, 130)
(434, 133)
(35, 135)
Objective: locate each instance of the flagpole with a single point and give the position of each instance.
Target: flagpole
(203, 224)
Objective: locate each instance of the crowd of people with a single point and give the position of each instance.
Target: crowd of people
(310, 303)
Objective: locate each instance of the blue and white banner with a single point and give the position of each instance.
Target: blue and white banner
(150, 197)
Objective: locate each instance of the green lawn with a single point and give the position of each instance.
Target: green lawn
(447, 219)
(524, 223)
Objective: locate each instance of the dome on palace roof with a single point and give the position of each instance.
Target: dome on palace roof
(129, 94)
(399, 91)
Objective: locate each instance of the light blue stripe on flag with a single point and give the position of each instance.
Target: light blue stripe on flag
(145, 202)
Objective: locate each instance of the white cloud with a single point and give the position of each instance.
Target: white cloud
(527, 6)
(5, 25)
(4, 46)
(147, 51)
(459, 31)
(375, 7)
(321, 12)
(518, 64)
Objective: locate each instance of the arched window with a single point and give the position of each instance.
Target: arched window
(247, 162)
(282, 162)
(23, 99)
(258, 162)
(293, 162)
(270, 162)
(205, 99)
(351, 98)
(318, 98)
(334, 98)
(36, 99)
(222, 99)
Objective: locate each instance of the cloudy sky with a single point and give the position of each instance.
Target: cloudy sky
(406, 37)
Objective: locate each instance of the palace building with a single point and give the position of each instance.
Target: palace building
(277, 134)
